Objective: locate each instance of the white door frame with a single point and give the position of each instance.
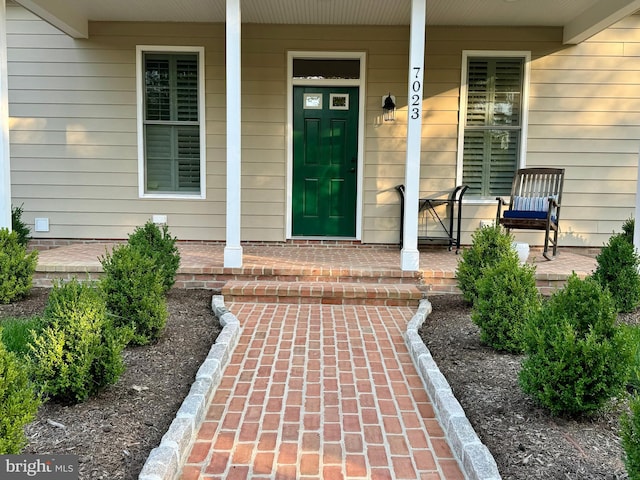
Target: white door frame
(360, 83)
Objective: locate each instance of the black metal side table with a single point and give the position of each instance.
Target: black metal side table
(450, 224)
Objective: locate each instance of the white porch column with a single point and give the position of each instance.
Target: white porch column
(5, 163)
(232, 249)
(410, 257)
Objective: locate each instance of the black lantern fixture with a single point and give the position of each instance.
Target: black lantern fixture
(389, 108)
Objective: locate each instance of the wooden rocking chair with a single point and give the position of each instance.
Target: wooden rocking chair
(536, 197)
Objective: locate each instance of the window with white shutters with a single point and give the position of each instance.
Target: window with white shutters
(493, 124)
(171, 123)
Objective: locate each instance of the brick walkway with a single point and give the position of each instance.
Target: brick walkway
(317, 392)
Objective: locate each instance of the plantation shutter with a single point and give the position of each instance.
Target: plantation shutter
(493, 124)
(172, 130)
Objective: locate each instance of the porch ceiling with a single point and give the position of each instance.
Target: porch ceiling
(580, 18)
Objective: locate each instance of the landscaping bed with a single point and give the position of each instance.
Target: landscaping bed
(113, 432)
(526, 442)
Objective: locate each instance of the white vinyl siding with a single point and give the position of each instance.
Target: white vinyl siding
(172, 128)
(492, 124)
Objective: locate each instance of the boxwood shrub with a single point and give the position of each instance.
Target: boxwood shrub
(18, 402)
(16, 267)
(577, 357)
(507, 297)
(159, 245)
(488, 246)
(134, 292)
(79, 350)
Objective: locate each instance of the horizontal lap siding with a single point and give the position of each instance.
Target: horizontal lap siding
(74, 145)
(585, 117)
(73, 129)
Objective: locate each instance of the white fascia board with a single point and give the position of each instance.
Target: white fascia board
(67, 16)
(595, 19)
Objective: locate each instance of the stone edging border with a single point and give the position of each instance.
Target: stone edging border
(166, 460)
(474, 457)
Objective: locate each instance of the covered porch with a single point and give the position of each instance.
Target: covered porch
(575, 21)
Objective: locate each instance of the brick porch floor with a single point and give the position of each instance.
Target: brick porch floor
(315, 389)
(202, 265)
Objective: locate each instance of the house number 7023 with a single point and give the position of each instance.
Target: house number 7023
(416, 96)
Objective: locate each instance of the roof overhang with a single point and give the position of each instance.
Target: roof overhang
(580, 19)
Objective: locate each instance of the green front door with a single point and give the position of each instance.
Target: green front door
(325, 161)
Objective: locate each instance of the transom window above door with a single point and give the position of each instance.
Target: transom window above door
(326, 68)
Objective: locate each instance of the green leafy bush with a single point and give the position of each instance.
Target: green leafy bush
(507, 297)
(18, 332)
(134, 290)
(633, 334)
(161, 247)
(18, 226)
(78, 351)
(617, 270)
(489, 245)
(16, 267)
(628, 228)
(18, 402)
(577, 357)
(630, 436)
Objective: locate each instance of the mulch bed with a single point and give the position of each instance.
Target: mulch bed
(113, 433)
(526, 442)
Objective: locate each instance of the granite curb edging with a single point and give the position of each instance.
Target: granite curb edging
(165, 461)
(474, 457)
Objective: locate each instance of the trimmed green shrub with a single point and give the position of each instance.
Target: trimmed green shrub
(18, 332)
(16, 267)
(79, 351)
(18, 226)
(617, 270)
(628, 228)
(489, 245)
(577, 357)
(161, 247)
(18, 402)
(507, 297)
(134, 291)
(630, 437)
(633, 334)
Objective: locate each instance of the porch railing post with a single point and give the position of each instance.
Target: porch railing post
(410, 257)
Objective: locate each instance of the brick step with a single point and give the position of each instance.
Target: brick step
(216, 277)
(194, 278)
(327, 293)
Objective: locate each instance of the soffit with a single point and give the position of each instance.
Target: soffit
(579, 18)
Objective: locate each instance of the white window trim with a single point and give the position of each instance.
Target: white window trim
(526, 56)
(140, 50)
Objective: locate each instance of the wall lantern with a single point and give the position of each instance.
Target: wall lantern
(389, 107)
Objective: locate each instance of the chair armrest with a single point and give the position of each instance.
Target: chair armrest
(501, 203)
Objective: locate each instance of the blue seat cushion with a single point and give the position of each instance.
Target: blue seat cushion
(526, 214)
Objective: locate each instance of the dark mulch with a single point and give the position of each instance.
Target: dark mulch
(526, 442)
(114, 432)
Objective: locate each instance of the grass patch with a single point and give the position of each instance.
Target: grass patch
(16, 333)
